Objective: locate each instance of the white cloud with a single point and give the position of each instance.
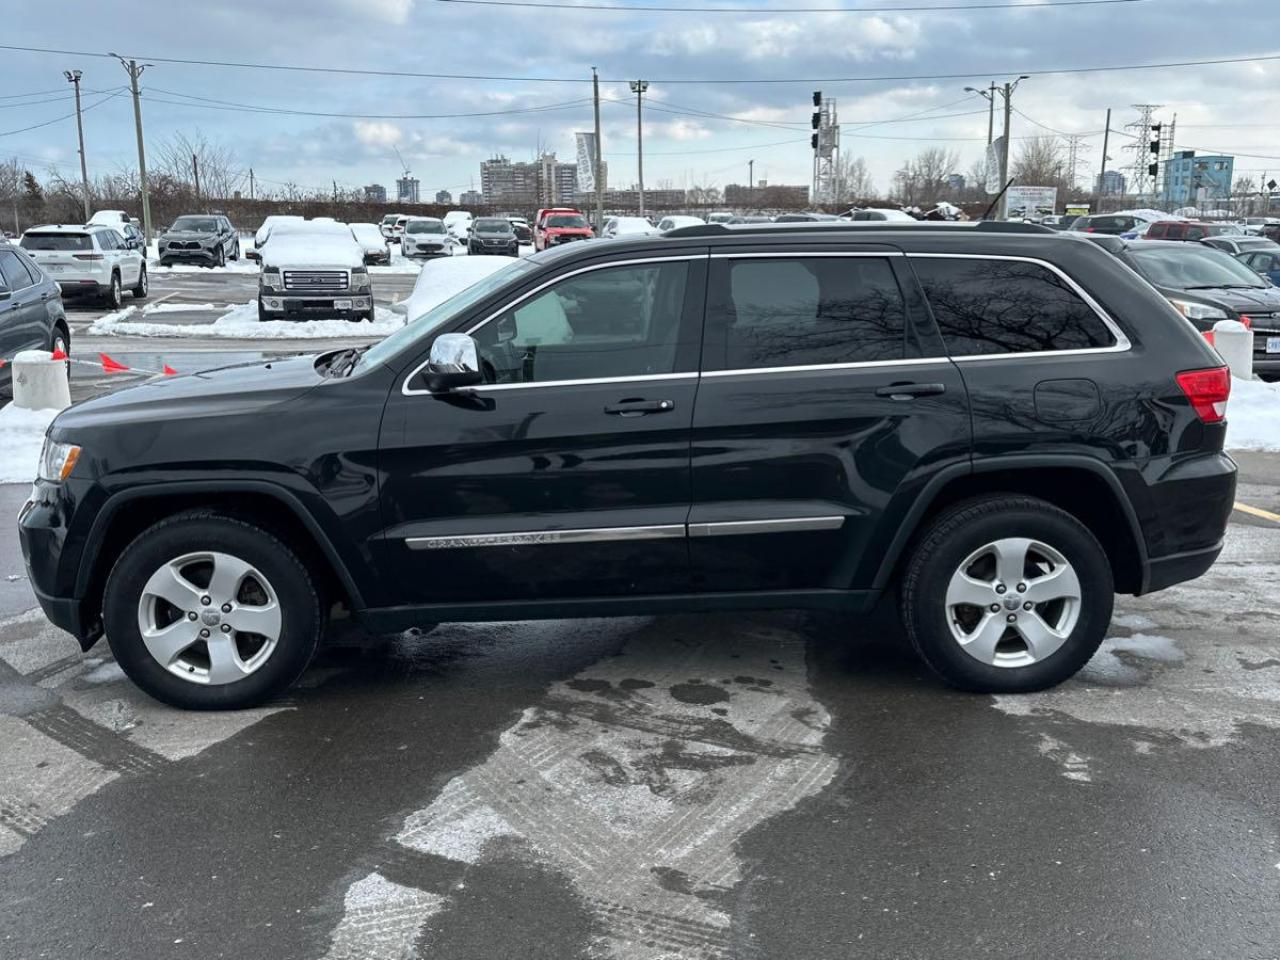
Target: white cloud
(388, 11)
(378, 133)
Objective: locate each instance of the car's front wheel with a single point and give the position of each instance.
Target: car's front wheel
(208, 612)
(1006, 594)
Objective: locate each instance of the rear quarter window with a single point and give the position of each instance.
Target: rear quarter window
(991, 306)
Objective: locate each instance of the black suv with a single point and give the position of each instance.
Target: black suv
(32, 316)
(1002, 425)
(207, 239)
(493, 235)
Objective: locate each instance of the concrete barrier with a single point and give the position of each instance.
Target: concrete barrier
(40, 382)
(1234, 343)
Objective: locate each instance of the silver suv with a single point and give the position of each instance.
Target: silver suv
(92, 260)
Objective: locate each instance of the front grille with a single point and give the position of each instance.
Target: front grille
(185, 245)
(315, 281)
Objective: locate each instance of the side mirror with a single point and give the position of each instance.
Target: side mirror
(454, 362)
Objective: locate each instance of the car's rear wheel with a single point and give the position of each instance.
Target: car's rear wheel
(1006, 594)
(143, 285)
(112, 297)
(208, 612)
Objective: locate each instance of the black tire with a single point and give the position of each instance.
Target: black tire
(60, 339)
(965, 528)
(235, 253)
(262, 312)
(302, 614)
(221, 259)
(140, 288)
(113, 296)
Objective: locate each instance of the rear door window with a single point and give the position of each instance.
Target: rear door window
(1158, 231)
(988, 306)
(14, 273)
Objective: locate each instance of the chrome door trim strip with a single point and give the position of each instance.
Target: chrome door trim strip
(668, 531)
(855, 365)
(689, 257)
(541, 537)
(730, 528)
(639, 378)
(1120, 346)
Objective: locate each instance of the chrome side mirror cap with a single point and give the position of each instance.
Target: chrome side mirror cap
(454, 363)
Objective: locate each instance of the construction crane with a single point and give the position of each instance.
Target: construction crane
(403, 165)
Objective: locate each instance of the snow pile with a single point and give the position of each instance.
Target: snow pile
(151, 308)
(443, 278)
(241, 323)
(1253, 415)
(21, 437)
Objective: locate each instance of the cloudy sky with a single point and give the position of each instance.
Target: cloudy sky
(314, 127)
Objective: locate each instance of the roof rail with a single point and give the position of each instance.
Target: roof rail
(826, 226)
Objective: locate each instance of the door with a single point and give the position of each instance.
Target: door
(22, 311)
(824, 394)
(567, 473)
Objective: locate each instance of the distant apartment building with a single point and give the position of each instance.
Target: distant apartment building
(558, 182)
(407, 189)
(375, 193)
(1111, 184)
(471, 198)
(766, 196)
(1190, 179)
(444, 196)
(515, 186)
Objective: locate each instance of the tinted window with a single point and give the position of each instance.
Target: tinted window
(107, 240)
(56, 241)
(1007, 306)
(803, 311)
(617, 322)
(14, 274)
(32, 270)
(1158, 230)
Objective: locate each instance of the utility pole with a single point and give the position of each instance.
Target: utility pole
(751, 183)
(195, 172)
(251, 197)
(638, 87)
(1007, 93)
(1102, 173)
(598, 179)
(131, 67)
(73, 77)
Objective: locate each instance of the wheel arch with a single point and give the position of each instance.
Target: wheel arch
(1082, 486)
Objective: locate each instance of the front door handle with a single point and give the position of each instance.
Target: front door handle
(638, 408)
(909, 391)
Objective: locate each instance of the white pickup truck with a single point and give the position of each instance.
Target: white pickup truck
(313, 269)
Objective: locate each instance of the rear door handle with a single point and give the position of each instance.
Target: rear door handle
(638, 408)
(909, 391)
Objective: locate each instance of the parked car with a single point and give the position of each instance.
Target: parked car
(31, 312)
(1265, 263)
(458, 223)
(1242, 244)
(554, 226)
(524, 232)
(1190, 230)
(493, 235)
(426, 237)
(397, 229)
(264, 232)
(720, 216)
(199, 238)
(752, 218)
(1108, 223)
(881, 213)
(375, 246)
(388, 228)
(676, 222)
(628, 227)
(1255, 225)
(761, 417)
(804, 217)
(1207, 285)
(314, 270)
(94, 260)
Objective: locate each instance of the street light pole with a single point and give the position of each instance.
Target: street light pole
(73, 77)
(132, 68)
(638, 87)
(1008, 116)
(751, 182)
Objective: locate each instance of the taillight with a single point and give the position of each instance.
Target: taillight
(87, 256)
(1207, 390)
(1208, 336)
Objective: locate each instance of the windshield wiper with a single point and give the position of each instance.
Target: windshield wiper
(344, 361)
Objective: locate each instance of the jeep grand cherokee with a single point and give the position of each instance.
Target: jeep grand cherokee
(1003, 425)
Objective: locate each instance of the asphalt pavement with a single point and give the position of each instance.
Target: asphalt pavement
(767, 785)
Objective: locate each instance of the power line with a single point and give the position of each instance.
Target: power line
(65, 116)
(612, 8)
(985, 71)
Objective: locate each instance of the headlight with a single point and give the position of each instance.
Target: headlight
(57, 460)
(1198, 311)
(359, 278)
(271, 277)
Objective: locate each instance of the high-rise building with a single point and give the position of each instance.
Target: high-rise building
(407, 190)
(471, 198)
(444, 196)
(1191, 179)
(1111, 183)
(516, 186)
(375, 193)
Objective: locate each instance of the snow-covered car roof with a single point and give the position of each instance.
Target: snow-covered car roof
(68, 227)
(109, 217)
(369, 236)
(313, 250)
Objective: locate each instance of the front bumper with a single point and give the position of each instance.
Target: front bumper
(52, 566)
(168, 256)
(289, 307)
(411, 249)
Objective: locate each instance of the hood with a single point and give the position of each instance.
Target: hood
(226, 391)
(566, 230)
(1263, 300)
(312, 250)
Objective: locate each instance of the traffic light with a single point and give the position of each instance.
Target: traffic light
(816, 119)
(1155, 142)
(817, 98)
(1153, 169)
(813, 142)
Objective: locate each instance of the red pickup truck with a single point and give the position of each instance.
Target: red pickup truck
(556, 225)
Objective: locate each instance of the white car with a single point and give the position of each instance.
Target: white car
(881, 214)
(675, 223)
(313, 269)
(720, 216)
(629, 227)
(426, 237)
(458, 223)
(269, 224)
(371, 240)
(388, 227)
(93, 260)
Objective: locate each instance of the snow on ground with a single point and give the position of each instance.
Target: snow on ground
(241, 323)
(23, 435)
(1253, 415)
(151, 308)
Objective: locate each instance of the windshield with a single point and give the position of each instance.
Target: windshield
(390, 218)
(1192, 266)
(56, 241)
(571, 221)
(195, 225)
(492, 226)
(424, 226)
(418, 329)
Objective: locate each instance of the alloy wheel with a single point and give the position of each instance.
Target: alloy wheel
(210, 618)
(1013, 602)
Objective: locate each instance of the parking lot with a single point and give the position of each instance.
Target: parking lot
(765, 784)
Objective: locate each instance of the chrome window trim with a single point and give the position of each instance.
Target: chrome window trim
(816, 367)
(510, 305)
(666, 531)
(1121, 345)
(797, 254)
(592, 381)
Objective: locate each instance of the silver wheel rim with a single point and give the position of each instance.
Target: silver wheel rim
(115, 291)
(142, 281)
(1013, 602)
(209, 618)
(59, 343)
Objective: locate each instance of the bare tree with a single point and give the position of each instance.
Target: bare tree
(922, 181)
(853, 182)
(1042, 162)
(11, 175)
(219, 173)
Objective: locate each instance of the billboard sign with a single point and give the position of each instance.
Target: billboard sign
(1030, 203)
(586, 162)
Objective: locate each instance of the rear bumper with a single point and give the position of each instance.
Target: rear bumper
(1184, 516)
(1179, 567)
(88, 286)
